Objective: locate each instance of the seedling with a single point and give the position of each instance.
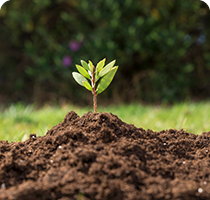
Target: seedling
(96, 79)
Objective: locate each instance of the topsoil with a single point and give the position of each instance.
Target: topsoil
(98, 156)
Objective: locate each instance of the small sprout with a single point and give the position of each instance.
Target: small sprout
(95, 79)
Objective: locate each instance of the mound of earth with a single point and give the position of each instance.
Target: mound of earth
(98, 156)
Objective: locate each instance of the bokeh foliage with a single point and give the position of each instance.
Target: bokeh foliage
(162, 48)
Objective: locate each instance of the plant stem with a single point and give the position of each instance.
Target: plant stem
(95, 102)
(94, 91)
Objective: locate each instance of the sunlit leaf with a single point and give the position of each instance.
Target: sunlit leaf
(107, 68)
(79, 78)
(87, 85)
(106, 80)
(97, 77)
(83, 71)
(90, 66)
(100, 65)
(84, 64)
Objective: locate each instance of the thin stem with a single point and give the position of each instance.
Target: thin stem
(95, 102)
(94, 91)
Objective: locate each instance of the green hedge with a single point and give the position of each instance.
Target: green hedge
(161, 47)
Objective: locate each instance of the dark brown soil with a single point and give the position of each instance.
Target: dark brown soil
(97, 156)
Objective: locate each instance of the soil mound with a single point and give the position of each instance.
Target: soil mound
(98, 156)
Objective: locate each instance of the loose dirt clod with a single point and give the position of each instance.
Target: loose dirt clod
(98, 156)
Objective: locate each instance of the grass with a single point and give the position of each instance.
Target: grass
(19, 121)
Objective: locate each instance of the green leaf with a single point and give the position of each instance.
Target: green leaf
(79, 78)
(85, 65)
(100, 65)
(87, 85)
(97, 77)
(107, 68)
(106, 80)
(83, 71)
(90, 66)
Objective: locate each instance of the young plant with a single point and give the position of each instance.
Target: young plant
(96, 79)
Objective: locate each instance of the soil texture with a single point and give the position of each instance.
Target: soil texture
(100, 157)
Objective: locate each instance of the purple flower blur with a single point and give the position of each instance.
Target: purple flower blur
(67, 61)
(74, 45)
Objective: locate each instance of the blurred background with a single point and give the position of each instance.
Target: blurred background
(162, 49)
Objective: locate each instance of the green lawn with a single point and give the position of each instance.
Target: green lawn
(19, 121)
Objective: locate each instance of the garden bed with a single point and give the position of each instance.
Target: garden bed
(98, 156)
